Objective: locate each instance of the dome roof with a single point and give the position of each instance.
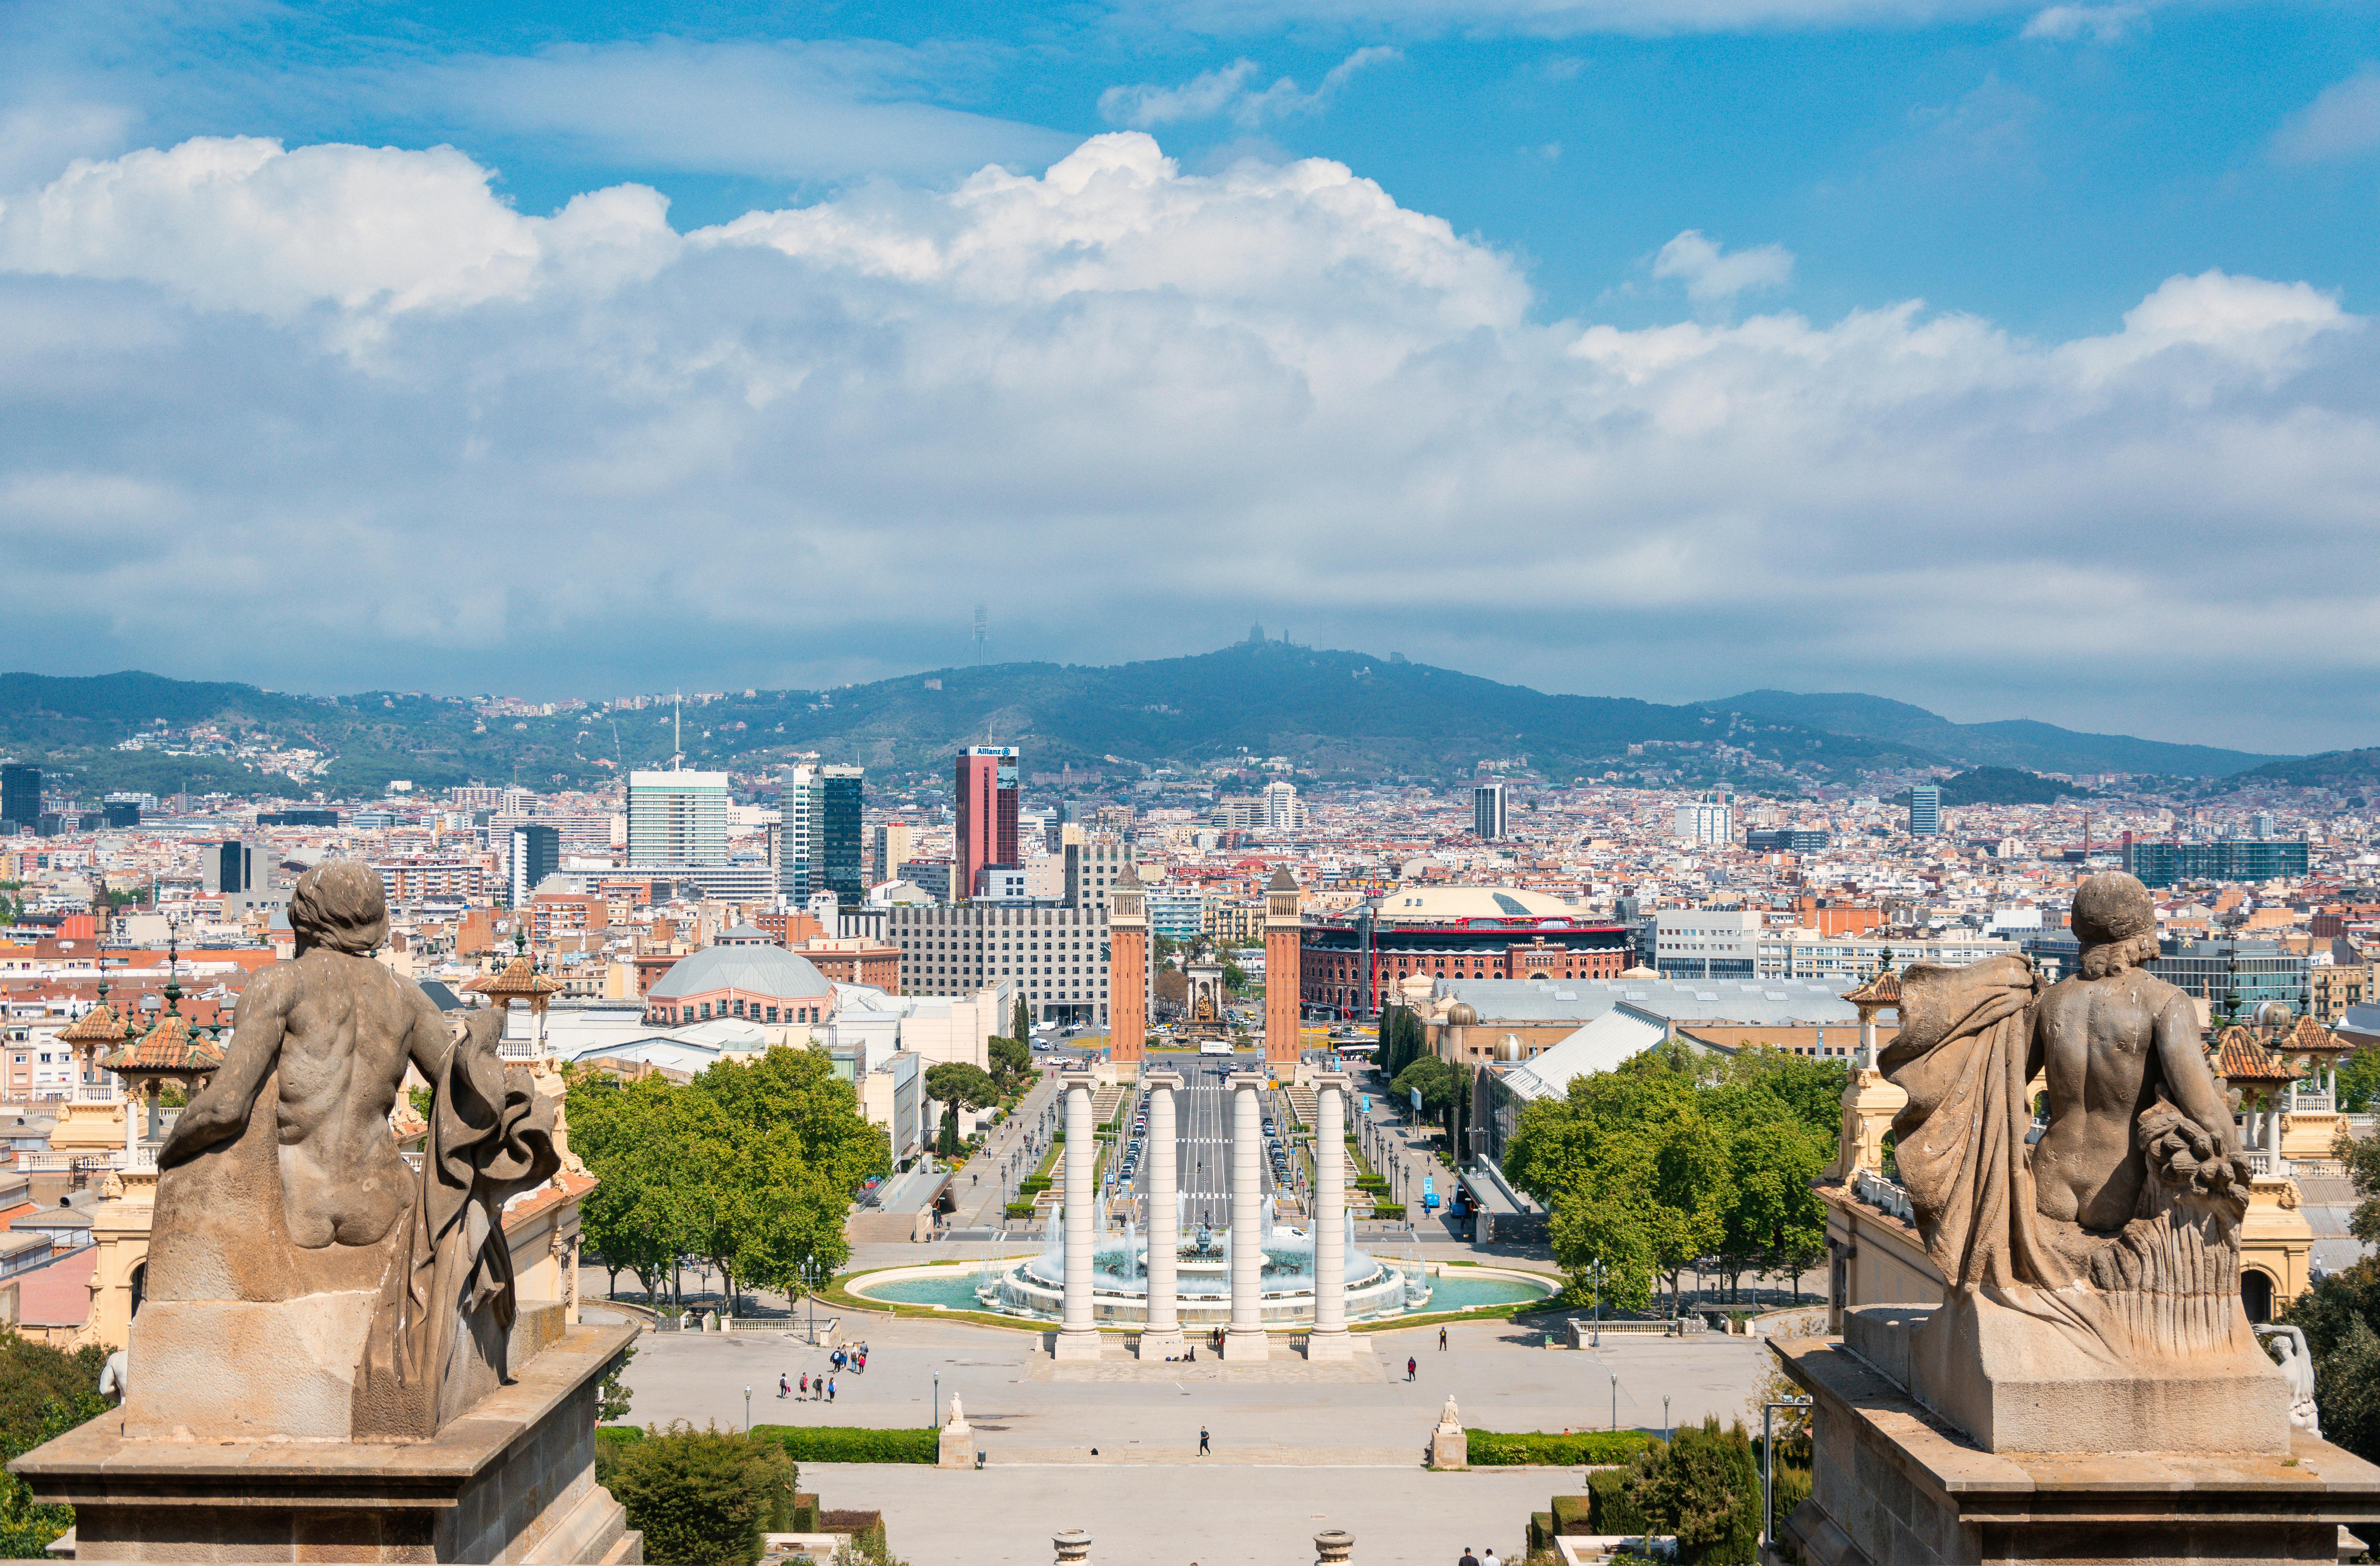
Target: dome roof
(769, 971)
(1461, 1014)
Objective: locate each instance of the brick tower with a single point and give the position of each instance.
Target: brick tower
(1127, 966)
(1284, 982)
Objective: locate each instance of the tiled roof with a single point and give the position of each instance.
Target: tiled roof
(168, 1047)
(1883, 989)
(518, 981)
(98, 1026)
(2239, 1057)
(2309, 1038)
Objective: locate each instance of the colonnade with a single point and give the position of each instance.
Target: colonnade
(1244, 1338)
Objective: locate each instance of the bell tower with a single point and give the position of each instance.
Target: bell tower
(1284, 981)
(1127, 966)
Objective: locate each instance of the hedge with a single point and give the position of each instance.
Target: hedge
(1017, 1209)
(1491, 1449)
(851, 1443)
(619, 1433)
(1610, 1508)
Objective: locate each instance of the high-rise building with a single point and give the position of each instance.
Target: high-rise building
(839, 868)
(118, 813)
(1707, 818)
(800, 809)
(1487, 811)
(20, 797)
(1283, 811)
(536, 854)
(2260, 825)
(1924, 810)
(230, 867)
(987, 811)
(677, 819)
(888, 845)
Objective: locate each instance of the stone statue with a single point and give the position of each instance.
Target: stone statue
(2108, 1252)
(2288, 1346)
(1447, 1418)
(294, 1245)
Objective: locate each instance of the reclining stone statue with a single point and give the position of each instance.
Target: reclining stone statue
(2092, 1278)
(303, 1280)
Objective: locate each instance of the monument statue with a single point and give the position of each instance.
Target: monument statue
(362, 1299)
(2109, 1251)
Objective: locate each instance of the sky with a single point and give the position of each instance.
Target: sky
(2014, 360)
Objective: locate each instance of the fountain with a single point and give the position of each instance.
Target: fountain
(1035, 1287)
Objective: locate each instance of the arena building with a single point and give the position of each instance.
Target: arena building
(744, 975)
(1348, 963)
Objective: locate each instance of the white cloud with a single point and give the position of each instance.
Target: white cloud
(1135, 408)
(2342, 122)
(1560, 18)
(1225, 91)
(2100, 24)
(1713, 273)
(823, 111)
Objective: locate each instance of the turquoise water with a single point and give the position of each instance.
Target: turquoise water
(955, 1289)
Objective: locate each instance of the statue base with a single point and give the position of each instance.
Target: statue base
(1339, 1343)
(1893, 1483)
(1246, 1343)
(511, 1480)
(1163, 1345)
(2014, 1383)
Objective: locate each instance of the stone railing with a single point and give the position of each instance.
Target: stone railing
(1887, 1197)
(2260, 1159)
(2306, 1102)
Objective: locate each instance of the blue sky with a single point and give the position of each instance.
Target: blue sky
(1634, 287)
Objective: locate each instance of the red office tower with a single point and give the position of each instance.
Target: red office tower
(987, 811)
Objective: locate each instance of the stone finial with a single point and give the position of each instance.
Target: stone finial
(1074, 1548)
(1333, 1547)
(1448, 1417)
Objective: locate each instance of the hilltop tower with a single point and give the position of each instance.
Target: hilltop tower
(1127, 966)
(1284, 982)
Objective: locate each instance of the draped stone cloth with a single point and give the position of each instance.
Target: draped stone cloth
(446, 1303)
(1960, 1143)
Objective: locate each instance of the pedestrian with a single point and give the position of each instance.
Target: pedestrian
(830, 1388)
(1411, 1367)
(806, 1383)
(1204, 1449)
(1441, 1340)
(784, 1388)
(1468, 1558)
(1487, 1557)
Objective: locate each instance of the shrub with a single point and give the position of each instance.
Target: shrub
(1610, 1508)
(1017, 1209)
(44, 1393)
(702, 1497)
(1793, 1488)
(1572, 1514)
(1493, 1449)
(850, 1443)
(1704, 1487)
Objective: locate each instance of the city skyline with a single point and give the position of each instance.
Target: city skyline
(2002, 358)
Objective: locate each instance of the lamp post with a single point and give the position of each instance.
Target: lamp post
(1615, 1402)
(938, 1400)
(748, 1410)
(1598, 1302)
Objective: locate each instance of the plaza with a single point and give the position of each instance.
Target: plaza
(1112, 1446)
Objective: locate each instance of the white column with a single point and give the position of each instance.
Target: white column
(1867, 1038)
(1329, 1338)
(1078, 1335)
(1246, 1338)
(1161, 1338)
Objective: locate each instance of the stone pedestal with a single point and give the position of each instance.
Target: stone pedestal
(1450, 1446)
(1895, 1483)
(511, 1481)
(957, 1447)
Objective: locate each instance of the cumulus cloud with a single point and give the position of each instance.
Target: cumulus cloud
(1227, 92)
(2342, 122)
(2100, 24)
(1712, 273)
(581, 447)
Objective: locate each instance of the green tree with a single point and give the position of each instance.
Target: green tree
(1011, 1060)
(1704, 1487)
(2359, 1081)
(1235, 978)
(1020, 1025)
(957, 1084)
(702, 1497)
(1439, 1083)
(44, 1393)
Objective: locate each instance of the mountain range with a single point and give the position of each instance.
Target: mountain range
(1341, 715)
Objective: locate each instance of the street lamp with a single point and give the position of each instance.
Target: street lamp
(938, 1400)
(1615, 1401)
(748, 1410)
